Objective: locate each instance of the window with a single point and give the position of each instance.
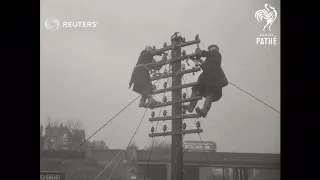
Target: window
(64, 139)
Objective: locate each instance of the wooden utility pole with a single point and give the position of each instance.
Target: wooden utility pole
(178, 127)
(176, 145)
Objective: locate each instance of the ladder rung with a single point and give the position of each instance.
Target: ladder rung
(188, 116)
(160, 63)
(175, 87)
(192, 131)
(179, 73)
(179, 101)
(181, 45)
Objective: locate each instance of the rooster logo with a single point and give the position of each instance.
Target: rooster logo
(267, 14)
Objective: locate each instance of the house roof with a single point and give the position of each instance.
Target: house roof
(56, 130)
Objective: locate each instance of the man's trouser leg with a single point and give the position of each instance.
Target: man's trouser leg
(193, 104)
(207, 104)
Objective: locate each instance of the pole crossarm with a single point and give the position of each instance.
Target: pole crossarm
(178, 101)
(162, 76)
(191, 131)
(157, 51)
(164, 62)
(188, 116)
(175, 87)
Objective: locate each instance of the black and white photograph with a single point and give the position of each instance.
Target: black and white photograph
(160, 90)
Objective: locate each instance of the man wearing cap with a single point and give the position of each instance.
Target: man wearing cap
(141, 79)
(211, 81)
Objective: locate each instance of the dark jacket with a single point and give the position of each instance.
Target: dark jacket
(212, 70)
(140, 77)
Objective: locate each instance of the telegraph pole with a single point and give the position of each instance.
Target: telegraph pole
(178, 128)
(176, 145)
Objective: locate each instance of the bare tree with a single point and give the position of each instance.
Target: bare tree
(158, 144)
(133, 145)
(73, 125)
(56, 122)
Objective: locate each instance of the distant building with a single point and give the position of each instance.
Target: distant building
(78, 137)
(60, 137)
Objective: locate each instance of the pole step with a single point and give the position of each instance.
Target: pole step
(175, 87)
(191, 131)
(163, 76)
(179, 101)
(188, 116)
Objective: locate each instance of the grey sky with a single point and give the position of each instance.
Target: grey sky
(84, 73)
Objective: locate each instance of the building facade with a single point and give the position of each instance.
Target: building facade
(60, 137)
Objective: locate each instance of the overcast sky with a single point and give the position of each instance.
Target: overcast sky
(84, 72)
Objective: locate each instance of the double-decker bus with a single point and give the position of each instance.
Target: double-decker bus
(200, 146)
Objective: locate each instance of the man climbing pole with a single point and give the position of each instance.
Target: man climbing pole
(141, 79)
(211, 80)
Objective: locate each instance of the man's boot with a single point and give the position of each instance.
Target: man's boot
(143, 101)
(189, 107)
(152, 102)
(206, 107)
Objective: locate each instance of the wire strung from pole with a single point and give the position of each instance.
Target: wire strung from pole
(153, 140)
(250, 94)
(213, 176)
(254, 97)
(156, 130)
(129, 141)
(116, 165)
(175, 162)
(108, 165)
(98, 130)
(131, 138)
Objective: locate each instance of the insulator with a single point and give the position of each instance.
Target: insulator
(184, 111)
(183, 66)
(165, 128)
(183, 39)
(164, 57)
(184, 126)
(152, 129)
(165, 71)
(154, 48)
(193, 71)
(154, 73)
(184, 53)
(154, 87)
(165, 84)
(184, 95)
(164, 113)
(197, 50)
(164, 99)
(165, 44)
(197, 63)
(153, 114)
(198, 124)
(197, 37)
